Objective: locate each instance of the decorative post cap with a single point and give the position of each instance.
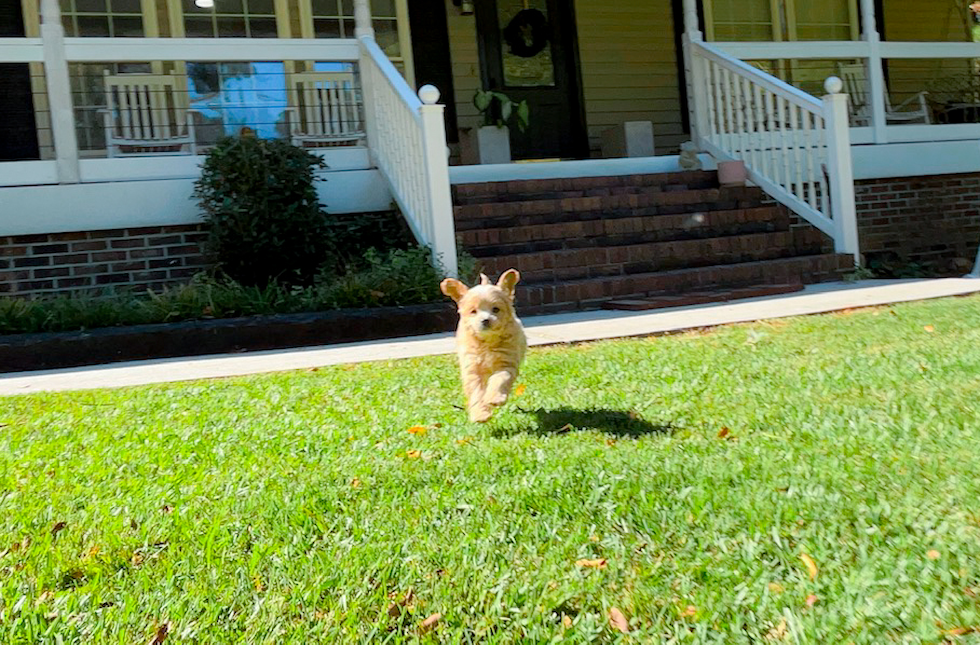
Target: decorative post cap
(833, 85)
(429, 94)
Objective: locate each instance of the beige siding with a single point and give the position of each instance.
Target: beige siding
(628, 67)
(465, 56)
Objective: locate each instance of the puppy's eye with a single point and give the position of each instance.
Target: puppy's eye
(496, 310)
(472, 312)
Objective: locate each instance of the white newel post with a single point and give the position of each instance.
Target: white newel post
(876, 72)
(437, 180)
(695, 83)
(59, 93)
(839, 169)
(364, 30)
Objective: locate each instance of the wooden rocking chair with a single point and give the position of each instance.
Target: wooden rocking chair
(914, 110)
(144, 116)
(327, 113)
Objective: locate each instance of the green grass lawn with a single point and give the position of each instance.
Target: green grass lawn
(300, 507)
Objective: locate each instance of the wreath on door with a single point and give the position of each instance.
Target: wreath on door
(527, 33)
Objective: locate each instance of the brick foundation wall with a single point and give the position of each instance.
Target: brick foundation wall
(930, 220)
(37, 265)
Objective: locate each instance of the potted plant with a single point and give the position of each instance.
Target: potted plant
(490, 143)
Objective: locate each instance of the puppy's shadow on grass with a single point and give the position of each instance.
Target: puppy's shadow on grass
(621, 423)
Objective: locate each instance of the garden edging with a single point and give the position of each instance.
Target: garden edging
(24, 352)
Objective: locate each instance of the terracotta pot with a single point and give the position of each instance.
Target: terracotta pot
(732, 173)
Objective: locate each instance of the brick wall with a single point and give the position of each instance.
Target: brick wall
(32, 265)
(931, 220)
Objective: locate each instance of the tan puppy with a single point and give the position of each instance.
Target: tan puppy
(490, 341)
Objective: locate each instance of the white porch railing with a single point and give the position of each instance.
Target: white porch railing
(795, 147)
(407, 138)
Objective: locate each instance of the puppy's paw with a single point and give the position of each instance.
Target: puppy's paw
(480, 413)
(496, 399)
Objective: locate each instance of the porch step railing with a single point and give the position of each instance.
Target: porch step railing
(407, 137)
(794, 146)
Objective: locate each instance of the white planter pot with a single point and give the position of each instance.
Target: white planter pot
(486, 145)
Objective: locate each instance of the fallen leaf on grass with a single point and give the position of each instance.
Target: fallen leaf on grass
(775, 587)
(160, 635)
(811, 566)
(566, 621)
(133, 524)
(520, 389)
(724, 432)
(565, 428)
(419, 430)
(970, 592)
(778, 632)
(961, 631)
(413, 454)
(43, 598)
(689, 611)
(137, 559)
(811, 600)
(618, 621)
(355, 482)
(395, 608)
(929, 328)
(933, 554)
(465, 441)
(429, 623)
(92, 551)
(58, 528)
(599, 563)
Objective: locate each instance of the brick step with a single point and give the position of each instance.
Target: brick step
(702, 297)
(551, 211)
(573, 264)
(591, 293)
(623, 230)
(504, 191)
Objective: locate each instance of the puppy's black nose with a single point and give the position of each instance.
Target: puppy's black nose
(486, 323)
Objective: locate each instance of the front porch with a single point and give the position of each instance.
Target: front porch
(384, 145)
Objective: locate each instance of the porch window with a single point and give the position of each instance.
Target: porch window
(230, 19)
(102, 18)
(781, 20)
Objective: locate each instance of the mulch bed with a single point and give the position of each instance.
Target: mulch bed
(23, 352)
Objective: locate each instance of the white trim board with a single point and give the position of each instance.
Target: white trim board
(135, 168)
(569, 169)
(27, 210)
(915, 159)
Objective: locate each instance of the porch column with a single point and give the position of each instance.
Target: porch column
(692, 26)
(693, 81)
(362, 19)
(59, 93)
(364, 31)
(876, 71)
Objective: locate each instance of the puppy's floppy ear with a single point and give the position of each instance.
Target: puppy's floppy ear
(454, 288)
(484, 279)
(508, 281)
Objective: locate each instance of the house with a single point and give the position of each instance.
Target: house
(108, 103)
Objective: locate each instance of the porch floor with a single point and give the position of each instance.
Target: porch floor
(542, 330)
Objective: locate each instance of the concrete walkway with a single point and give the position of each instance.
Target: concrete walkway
(542, 330)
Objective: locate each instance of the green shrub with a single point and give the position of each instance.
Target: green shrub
(397, 277)
(264, 220)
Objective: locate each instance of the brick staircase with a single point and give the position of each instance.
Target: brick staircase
(638, 241)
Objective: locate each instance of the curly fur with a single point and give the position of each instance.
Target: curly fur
(490, 341)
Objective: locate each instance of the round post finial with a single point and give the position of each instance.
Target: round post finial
(429, 94)
(833, 85)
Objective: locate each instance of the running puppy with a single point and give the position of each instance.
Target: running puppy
(490, 341)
